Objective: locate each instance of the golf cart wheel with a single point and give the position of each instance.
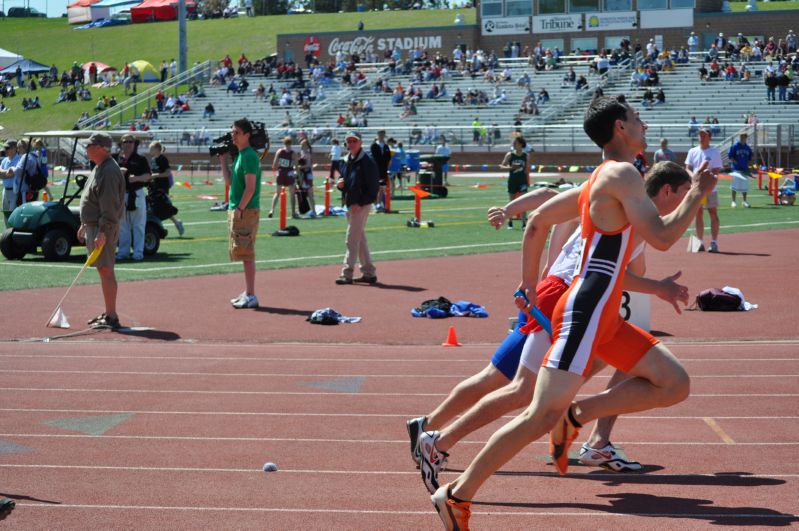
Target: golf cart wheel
(56, 245)
(152, 240)
(9, 249)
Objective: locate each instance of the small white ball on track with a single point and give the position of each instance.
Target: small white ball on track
(270, 467)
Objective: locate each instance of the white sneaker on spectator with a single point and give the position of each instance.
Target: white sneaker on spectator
(746, 205)
(733, 205)
(247, 301)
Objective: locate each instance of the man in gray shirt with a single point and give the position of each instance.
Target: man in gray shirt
(101, 208)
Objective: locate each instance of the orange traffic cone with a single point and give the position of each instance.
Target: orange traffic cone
(452, 339)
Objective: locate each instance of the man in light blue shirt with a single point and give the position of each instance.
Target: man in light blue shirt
(443, 150)
(9, 162)
(30, 161)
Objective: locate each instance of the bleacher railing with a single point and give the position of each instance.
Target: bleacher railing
(132, 108)
(543, 138)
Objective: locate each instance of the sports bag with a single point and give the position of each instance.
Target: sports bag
(36, 181)
(717, 300)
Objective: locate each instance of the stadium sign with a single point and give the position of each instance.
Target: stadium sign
(557, 23)
(363, 45)
(505, 26)
(610, 21)
(312, 46)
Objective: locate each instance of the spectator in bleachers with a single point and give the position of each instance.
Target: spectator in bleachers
(730, 73)
(703, 73)
(602, 63)
(581, 84)
(458, 98)
(660, 97)
(693, 127)
(712, 53)
(414, 135)
(648, 100)
(771, 86)
(502, 98)
(543, 95)
(715, 70)
(664, 153)
(409, 109)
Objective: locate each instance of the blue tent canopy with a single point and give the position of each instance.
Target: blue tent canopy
(28, 67)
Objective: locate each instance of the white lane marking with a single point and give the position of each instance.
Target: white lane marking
(20, 263)
(591, 475)
(334, 375)
(315, 393)
(504, 513)
(371, 415)
(355, 441)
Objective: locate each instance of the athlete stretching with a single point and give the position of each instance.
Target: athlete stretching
(586, 322)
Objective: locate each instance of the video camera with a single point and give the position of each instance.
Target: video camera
(224, 144)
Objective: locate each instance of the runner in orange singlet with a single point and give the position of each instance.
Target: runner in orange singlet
(612, 207)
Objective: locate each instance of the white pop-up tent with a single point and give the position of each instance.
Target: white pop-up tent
(8, 58)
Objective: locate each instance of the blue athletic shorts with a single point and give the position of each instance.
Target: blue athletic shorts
(506, 358)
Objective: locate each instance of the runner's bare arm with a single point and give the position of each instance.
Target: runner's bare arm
(525, 203)
(666, 289)
(559, 209)
(624, 184)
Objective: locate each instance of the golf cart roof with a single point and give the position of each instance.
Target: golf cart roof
(85, 134)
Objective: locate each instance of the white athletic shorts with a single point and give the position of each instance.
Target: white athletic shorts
(740, 182)
(534, 350)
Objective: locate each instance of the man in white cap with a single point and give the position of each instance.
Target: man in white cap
(693, 42)
(696, 156)
(721, 42)
(360, 183)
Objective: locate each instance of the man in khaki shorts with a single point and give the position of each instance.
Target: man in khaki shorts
(244, 207)
(696, 156)
(101, 209)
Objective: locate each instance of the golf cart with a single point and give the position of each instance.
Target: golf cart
(53, 225)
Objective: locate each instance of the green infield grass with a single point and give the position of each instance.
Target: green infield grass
(460, 228)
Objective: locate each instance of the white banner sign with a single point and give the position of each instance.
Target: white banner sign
(667, 18)
(610, 20)
(506, 26)
(557, 23)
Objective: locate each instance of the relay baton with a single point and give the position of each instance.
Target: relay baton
(536, 314)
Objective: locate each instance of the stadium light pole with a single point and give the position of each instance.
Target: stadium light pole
(182, 47)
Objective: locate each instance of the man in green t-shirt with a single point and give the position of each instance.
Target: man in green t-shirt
(244, 207)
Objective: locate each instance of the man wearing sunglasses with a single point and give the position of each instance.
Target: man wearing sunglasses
(360, 183)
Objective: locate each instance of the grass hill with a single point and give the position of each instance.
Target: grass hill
(53, 41)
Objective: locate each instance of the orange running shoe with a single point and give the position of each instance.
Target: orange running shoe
(561, 438)
(454, 515)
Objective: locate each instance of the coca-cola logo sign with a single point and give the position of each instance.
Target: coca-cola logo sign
(363, 45)
(312, 46)
(359, 45)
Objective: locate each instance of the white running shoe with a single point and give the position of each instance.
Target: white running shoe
(733, 205)
(432, 460)
(247, 301)
(415, 428)
(235, 299)
(746, 204)
(607, 457)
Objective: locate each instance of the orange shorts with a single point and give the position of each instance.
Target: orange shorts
(622, 349)
(626, 348)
